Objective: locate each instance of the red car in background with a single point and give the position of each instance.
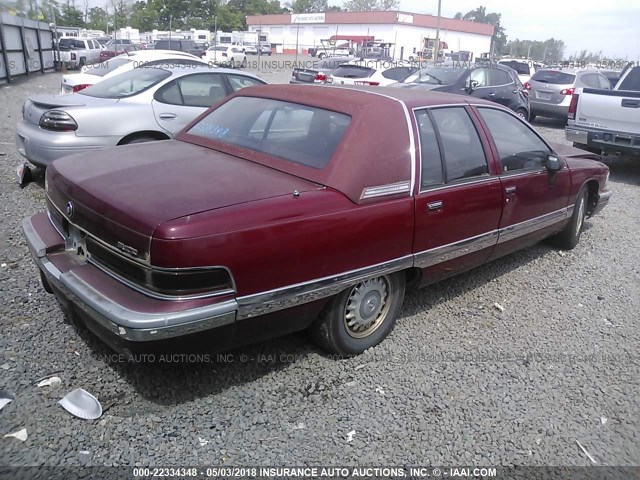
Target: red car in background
(277, 210)
(114, 49)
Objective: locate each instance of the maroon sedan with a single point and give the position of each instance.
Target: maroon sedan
(287, 207)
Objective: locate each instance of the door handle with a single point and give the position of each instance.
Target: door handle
(510, 190)
(167, 116)
(492, 94)
(434, 206)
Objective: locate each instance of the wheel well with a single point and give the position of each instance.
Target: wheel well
(592, 195)
(147, 133)
(413, 276)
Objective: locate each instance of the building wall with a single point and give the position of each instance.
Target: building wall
(407, 38)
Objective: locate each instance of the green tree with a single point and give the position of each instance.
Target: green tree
(309, 6)
(370, 5)
(143, 17)
(229, 19)
(97, 18)
(71, 16)
(480, 15)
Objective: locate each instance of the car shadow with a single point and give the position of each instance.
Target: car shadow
(553, 123)
(623, 169)
(197, 375)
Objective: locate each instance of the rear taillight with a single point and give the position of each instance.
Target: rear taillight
(567, 91)
(58, 120)
(527, 85)
(573, 107)
(73, 56)
(82, 86)
(321, 77)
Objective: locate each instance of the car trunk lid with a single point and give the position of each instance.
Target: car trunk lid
(546, 86)
(36, 105)
(121, 195)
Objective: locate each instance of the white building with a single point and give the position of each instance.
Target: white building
(291, 32)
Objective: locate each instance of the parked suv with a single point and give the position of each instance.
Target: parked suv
(188, 46)
(551, 89)
(497, 83)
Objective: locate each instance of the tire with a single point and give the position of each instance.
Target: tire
(522, 113)
(141, 139)
(411, 59)
(568, 238)
(244, 63)
(321, 56)
(343, 329)
(82, 63)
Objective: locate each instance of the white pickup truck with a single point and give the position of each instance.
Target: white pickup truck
(76, 52)
(607, 121)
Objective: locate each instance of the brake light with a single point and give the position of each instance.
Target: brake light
(320, 77)
(567, 91)
(58, 120)
(573, 107)
(527, 85)
(82, 86)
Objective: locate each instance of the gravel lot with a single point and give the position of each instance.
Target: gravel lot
(457, 382)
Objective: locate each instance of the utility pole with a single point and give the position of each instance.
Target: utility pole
(437, 48)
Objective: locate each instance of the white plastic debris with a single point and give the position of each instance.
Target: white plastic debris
(202, 441)
(3, 265)
(562, 254)
(604, 420)
(379, 390)
(5, 399)
(498, 306)
(593, 460)
(538, 441)
(350, 436)
(82, 404)
(20, 435)
(50, 382)
(299, 426)
(5, 366)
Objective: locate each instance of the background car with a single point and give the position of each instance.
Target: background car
(92, 74)
(612, 75)
(551, 89)
(320, 71)
(525, 68)
(76, 52)
(230, 56)
(188, 46)
(115, 48)
(265, 49)
(497, 83)
(143, 104)
(371, 72)
(249, 48)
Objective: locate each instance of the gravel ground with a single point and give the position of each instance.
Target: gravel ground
(457, 382)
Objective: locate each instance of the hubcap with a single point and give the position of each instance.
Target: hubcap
(580, 216)
(367, 307)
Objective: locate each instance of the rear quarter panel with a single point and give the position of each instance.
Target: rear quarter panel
(287, 240)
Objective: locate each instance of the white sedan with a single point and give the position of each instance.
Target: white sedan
(229, 56)
(371, 72)
(92, 74)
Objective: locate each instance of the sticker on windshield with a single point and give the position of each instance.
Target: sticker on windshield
(211, 130)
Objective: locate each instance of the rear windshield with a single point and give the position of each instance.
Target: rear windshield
(289, 131)
(102, 68)
(521, 67)
(218, 49)
(435, 76)
(631, 81)
(556, 78)
(353, 71)
(71, 44)
(127, 84)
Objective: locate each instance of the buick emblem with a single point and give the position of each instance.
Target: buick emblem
(69, 209)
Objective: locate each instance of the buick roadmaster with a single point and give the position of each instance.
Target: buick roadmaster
(291, 207)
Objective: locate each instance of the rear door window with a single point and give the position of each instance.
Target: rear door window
(499, 77)
(462, 149)
(431, 161)
(197, 90)
(240, 81)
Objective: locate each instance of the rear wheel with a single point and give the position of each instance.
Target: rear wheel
(522, 113)
(568, 238)
(361, 316)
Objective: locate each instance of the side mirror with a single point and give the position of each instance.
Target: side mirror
(553, 163)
